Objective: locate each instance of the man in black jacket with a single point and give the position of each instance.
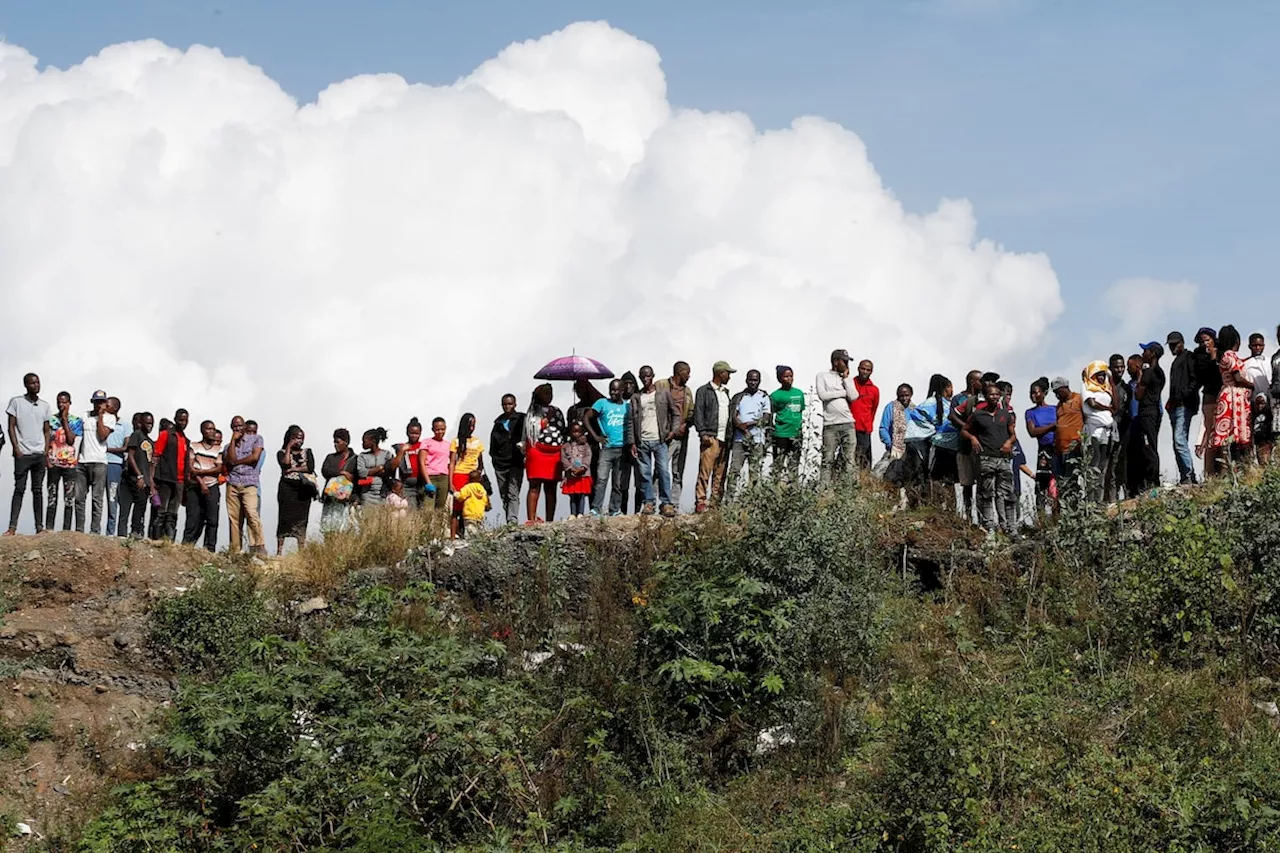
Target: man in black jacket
(506, 452)
(1184, 402)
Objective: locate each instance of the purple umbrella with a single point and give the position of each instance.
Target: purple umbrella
(574, 367)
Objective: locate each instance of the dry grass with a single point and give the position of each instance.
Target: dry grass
(382, 537)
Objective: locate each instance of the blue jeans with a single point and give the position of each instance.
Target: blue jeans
(653, 454)
(113, 496)
(608, 476)
(1180, 419)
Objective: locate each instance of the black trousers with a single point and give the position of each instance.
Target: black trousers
(862, 449)
(165, 517)
(133, 507)
(1143, 457)
(202, 516)
(30, 465)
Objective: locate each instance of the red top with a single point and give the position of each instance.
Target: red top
(865, 407)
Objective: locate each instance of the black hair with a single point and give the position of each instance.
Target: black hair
(466, 427)
(66, 394)
(1228, 338)
(165, 424)
(378, 434)
(937, 385)
(534, 405)
(250, 423)
(288, 434)
(27, 376)
(990, 376)
(1042, 383)
(907, 385)
(413, 422)
(1005, 386)
(1137, 356)
(342, 433)
(439, 420)
(675, 368)
(1257, 335)
(181, 412)
(1114, 356)
(203, 424)
(505, 397)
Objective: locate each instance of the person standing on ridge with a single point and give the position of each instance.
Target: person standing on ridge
(654, 418)
(29, 434)
(751, 411)
(612, 429)
(1257, 368)
(1150, 386)
(1041, 419)
(204, 496)
(171, 473)
(65, 430)
(787, 404)
(507, 446)
(990, 432)
(837, 392)
(864, 411)
(240, 457)
(409, 463)
(543, 435)
(962, 405)
(115, 462)
(713, 421)
(93, 461)
(1068, 450)
(433, 461)
(678, 447)
(1183, 405)
(137, 486)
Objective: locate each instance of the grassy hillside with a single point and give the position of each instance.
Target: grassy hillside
(802, 672)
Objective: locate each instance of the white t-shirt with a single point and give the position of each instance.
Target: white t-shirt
(1256, 368)
(91, 449)
(1098, 418)
(649, 416)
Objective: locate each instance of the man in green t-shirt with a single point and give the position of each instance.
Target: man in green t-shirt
(788, 423)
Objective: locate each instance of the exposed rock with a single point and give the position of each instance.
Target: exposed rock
(311, 605)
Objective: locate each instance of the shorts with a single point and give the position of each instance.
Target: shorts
(967, 468)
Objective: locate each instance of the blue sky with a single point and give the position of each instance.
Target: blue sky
(1133, 139)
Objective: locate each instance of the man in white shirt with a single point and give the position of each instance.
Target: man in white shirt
(751, 412)
(29, 433)
(93, 461)
(836, 390)
(1258, 368)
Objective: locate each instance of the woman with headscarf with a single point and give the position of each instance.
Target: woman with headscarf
(1097, 402)
(296, 489)
(1233, 419)
(544, 434)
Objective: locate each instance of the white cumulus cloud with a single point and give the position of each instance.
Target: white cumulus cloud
(177, 229)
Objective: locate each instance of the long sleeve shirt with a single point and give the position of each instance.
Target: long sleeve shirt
(836, 393)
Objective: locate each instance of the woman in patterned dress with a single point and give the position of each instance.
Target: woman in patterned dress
(1232, 424)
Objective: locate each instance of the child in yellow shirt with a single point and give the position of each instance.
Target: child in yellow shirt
(474, 501)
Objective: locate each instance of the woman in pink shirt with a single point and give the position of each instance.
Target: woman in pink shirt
(433, 461)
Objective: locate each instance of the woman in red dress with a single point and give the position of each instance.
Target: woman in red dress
(1232, 423)
(544, 433)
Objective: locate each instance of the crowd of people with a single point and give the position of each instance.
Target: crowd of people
(628, 448)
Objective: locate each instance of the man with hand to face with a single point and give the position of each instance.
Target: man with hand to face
(836, 390)
(241, 457)
(93, 460)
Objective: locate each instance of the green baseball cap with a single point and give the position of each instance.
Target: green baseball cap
(722, 365)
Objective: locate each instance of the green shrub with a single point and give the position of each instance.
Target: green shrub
(207, 629)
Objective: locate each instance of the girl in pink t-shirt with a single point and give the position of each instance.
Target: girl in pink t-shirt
(433, 461)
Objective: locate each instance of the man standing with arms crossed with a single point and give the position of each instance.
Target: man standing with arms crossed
(837, 392)
(29, 433)
(241, 459)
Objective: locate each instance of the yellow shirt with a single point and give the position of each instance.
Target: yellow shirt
(470, 460)
(474, 501)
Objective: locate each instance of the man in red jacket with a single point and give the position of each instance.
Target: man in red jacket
(864, 412)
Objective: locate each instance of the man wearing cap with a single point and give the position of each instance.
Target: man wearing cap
(1145, 430)
(93, 461)
(1068, 449)
(836, 390)
(1183, 403)
(711, 419)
